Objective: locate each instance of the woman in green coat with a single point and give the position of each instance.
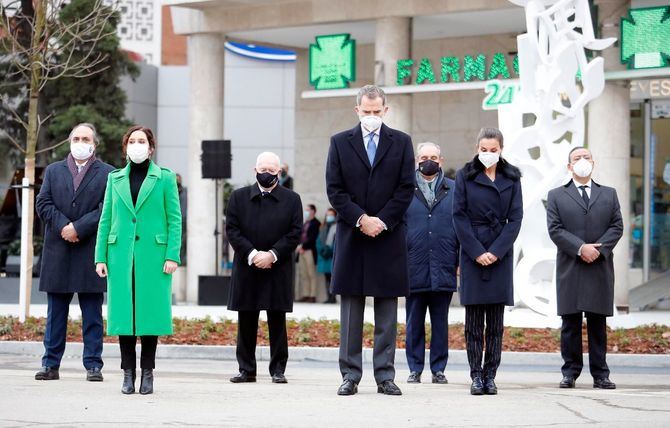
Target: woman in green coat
(139, 238)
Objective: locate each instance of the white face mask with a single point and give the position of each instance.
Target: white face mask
(489, 158)
(81, 151)
(582, 168)
(137, 152)
(371, 123)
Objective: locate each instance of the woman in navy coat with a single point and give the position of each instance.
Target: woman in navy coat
(488, 209)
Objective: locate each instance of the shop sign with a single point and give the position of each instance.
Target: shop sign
(332, 62)
(645, 37)
(454, 69)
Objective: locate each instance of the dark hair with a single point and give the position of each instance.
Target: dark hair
(312, 207)
(475, 166)
(575, 149)
(490, 134)
(325, 222)
(149, 133)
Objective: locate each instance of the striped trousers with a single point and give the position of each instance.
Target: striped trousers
(475, 316)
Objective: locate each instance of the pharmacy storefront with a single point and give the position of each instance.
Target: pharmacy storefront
(449, 69)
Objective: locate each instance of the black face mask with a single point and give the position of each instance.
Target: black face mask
(429, 167)
(266, 179)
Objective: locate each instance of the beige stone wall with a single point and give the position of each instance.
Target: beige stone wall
(450, 119)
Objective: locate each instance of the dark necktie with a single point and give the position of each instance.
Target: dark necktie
(264, 194)
(585, 195)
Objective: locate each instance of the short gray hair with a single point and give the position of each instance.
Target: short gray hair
(85, 125)
(269, 155)
(372, 92)
(428, 144)
(490, 134)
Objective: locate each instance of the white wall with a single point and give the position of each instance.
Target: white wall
(173, 119)
(259, 101)
(142, 93)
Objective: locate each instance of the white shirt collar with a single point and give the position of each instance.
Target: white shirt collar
(578, 185)
(366, 133)
(262, 189)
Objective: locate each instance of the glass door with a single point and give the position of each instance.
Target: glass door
(659, 185)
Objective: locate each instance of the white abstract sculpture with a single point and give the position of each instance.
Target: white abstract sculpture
(551, 54)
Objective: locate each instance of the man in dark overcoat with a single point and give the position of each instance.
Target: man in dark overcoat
(370, 183)
(584, 221)
(263, 225)
(69, 204)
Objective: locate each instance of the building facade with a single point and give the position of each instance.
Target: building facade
(447, 50)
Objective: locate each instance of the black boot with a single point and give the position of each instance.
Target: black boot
(129, 376)
(477, 387)
(147, 382)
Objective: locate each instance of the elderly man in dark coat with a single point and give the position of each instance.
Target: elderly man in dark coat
(263, 224)
(69, 204)
(584, 221)
(370, 183)
(432, 247)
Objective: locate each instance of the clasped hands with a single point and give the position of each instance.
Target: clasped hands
(589, 252)
(486, 259)
(263, 260)
(371, 226)
(69, 233)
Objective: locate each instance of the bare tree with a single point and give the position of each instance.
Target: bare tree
(37, 47)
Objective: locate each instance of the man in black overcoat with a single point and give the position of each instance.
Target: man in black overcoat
(263, 225)
(370, 183)
(584, 221)
(69, 204)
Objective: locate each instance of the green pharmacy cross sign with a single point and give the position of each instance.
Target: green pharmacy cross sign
(332, 62)
(645, 37)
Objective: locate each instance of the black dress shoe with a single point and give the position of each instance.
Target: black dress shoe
(243, 377)
(94, 375)
(477, 387)
(388, 387)
(348, 387)
(147, 382)
(490, 387)
(603, 383)
(414, 377)
(279, 378)
(47, 373)
(439, 377)
(128, 386)
(567, 382)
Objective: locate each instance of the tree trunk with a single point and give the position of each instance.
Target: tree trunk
(28, 217)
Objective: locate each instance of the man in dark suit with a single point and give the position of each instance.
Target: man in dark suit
(584, 221)
(69, 204)
(263, 224)
(370, 183)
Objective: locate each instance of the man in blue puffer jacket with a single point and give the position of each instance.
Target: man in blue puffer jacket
(433, 260)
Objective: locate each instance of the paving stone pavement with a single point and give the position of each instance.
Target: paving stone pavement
(197, 393)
